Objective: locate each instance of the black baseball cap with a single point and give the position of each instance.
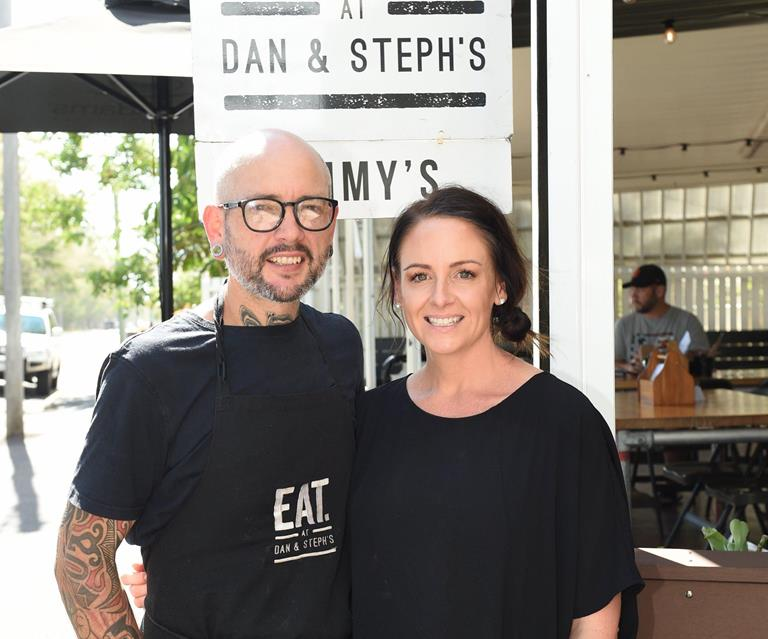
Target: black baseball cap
(646, 275)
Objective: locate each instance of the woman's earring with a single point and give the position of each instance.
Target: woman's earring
(501, 301)
(397, 306)
(217, 250)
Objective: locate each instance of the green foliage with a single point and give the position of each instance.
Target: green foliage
(56, 253)
(46, 211)
(71, 158)
(186, 289)
(190, 246)
(132, 280)
(49, 221)
(134, 275)
(130, 166)
(738, 540)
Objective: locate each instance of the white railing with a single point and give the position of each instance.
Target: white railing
(724, 298)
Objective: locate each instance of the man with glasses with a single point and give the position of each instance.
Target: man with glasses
(222, 439)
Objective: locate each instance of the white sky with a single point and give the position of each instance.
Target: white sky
(34, 166)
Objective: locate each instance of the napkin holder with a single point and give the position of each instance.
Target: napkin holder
(669, 385)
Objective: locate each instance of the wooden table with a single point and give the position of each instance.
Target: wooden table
(630, 383)
(724, 416)
(720, 408)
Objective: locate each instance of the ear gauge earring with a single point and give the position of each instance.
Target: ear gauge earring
(217, 250)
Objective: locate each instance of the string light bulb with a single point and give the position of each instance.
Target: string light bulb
(670, 35)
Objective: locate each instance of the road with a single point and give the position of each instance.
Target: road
(34, 481)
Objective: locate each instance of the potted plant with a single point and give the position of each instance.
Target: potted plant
(700, 594)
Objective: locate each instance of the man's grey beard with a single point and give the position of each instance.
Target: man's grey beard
(247, 271)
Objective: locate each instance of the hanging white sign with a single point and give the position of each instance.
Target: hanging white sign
(435, 78)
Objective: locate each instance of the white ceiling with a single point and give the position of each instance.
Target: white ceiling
(709, 86)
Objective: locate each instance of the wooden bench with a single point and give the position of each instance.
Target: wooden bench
(740, 353)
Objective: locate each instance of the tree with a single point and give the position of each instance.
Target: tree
(191, 256)
(133, 279)
(128, 167)
(57, 252)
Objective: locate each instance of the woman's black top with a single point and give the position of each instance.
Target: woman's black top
(510, 523)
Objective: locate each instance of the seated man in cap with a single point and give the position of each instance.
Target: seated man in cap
(652, 321)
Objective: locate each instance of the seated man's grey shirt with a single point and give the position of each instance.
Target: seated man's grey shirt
(634, 330)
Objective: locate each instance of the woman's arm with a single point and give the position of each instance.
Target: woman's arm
(603, 624)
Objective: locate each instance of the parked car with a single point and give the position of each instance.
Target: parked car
(39, 343)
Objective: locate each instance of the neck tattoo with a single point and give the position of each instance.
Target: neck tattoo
(248, 318)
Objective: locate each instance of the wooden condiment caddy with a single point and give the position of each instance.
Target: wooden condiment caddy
(673, 386)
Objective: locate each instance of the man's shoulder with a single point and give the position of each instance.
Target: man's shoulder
(682, 313)
(182, 333)
(332, 326)
(342, 345)
(626, 321)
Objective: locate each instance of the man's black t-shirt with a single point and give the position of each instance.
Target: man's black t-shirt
(151, 427)
(507, 524)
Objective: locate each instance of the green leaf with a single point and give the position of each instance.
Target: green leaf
(714, 538)
(739, 533)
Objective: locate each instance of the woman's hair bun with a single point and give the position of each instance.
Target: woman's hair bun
(512, 323)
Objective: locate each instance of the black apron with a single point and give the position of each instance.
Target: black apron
(255, 552)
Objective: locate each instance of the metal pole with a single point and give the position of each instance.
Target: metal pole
(166, 243)
(14, 358)
(540, 174)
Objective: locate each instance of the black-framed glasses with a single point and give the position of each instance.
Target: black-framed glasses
(264, 214)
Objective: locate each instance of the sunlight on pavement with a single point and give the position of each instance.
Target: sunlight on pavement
(34, 482)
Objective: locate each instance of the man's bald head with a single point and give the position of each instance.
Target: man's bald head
(265, 161)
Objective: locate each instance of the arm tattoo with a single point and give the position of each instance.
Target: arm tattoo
(248, 317)
(87, 576)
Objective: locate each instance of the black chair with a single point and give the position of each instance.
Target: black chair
(736, 496)
(693, 476)
(750, 489)
(649, 458)
(762, 389)
(715, 382)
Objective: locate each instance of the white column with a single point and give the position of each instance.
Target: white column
(580, 117)
(14, 359)
(369, 306)
(350, 230)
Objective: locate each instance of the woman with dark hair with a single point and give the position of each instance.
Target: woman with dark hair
(487, 499)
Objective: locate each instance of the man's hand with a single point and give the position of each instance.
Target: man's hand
(137, 584)
(87, 576)
(633, 367)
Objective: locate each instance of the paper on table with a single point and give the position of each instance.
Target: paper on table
(657, 370)
(685, 342)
